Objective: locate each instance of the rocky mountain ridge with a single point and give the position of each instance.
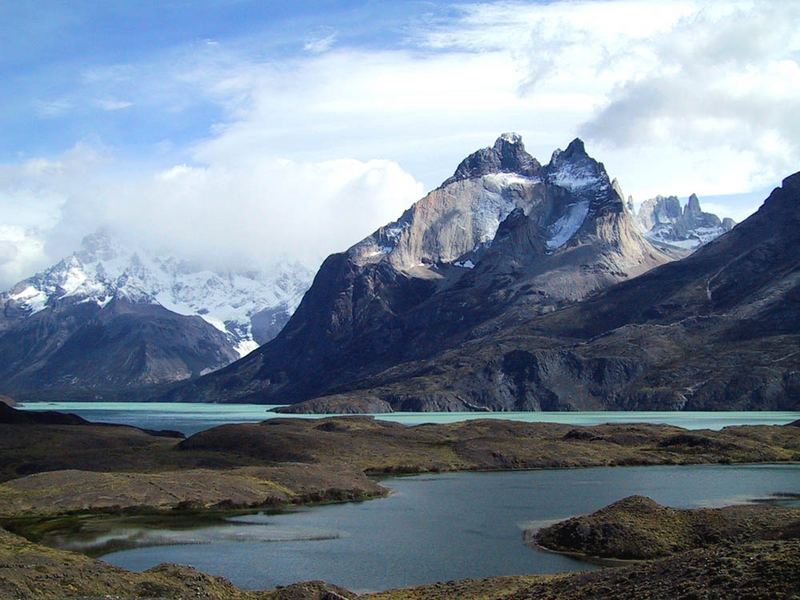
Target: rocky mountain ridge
(250, 307)
(109, 319)
(503, 234)
(718, 330)
(665, 223)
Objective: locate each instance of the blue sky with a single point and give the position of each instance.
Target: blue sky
(296, 128)
(51, 50)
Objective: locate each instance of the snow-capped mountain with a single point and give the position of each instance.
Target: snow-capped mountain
(249, 307)
(665, 223)
(505, 238)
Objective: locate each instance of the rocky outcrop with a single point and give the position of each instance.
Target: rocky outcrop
(639, 528)
(311, 590)
(378, 446)
(503, 234)
(666, 223)
(70, 491)
(12, 416)
(32, 571)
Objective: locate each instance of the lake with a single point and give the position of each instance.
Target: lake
(190, 418)
(437, 527)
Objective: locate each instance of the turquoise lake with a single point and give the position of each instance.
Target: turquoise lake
(190, 418)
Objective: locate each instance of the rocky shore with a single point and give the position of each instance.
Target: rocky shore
(290, 461)
(759, 570)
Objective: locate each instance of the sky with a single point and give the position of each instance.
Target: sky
(239, 133)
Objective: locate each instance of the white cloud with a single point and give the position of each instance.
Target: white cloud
(48, 109)
(19, 248)
(248, 214)
(314, 151)
(111, 104)
(726, 78)
(320, 44)
(239, 215)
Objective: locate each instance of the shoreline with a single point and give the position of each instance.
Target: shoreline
(104, 474)
(37, 527)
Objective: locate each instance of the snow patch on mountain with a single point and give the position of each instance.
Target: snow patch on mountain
(493, 205)
(574, 179)
(568, 224)
(30, 298)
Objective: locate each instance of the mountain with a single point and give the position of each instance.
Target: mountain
(249, 307)
(718, 330)
(109, 317)
(504, 238)
(666, 223)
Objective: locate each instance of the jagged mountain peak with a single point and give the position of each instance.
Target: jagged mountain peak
(669, 225)
(502, 235)
(510, 137)
(575, 148)
(575, 170)
(693, 205)
(506, 155)
(99, 245)
(457, 222)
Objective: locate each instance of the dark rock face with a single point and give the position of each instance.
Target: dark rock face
(82, 350)
(267, 324)
(312, 590)
(502, 237)
(13, 416)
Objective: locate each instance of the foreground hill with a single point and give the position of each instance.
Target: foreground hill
(762, 570)
(718, 330)
(639, 528)
(503, 234)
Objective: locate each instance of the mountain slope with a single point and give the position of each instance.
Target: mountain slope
(79, 350)
(108, 319)
(719, 329)
(504, 235)
(249, 307)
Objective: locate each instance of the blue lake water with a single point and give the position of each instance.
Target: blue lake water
(440, 527)
(191, 418)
